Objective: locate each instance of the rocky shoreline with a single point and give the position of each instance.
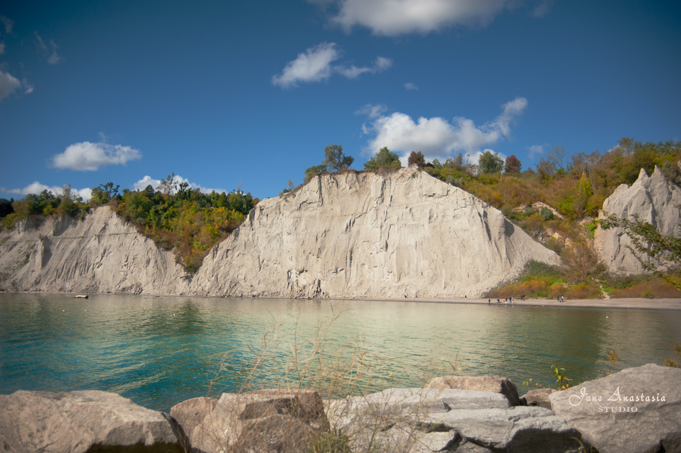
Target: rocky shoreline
(635, 410)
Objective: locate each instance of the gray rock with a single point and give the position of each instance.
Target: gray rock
(265, 420)
(191, 413)
(655, 200)
(423, 420)
(606, 415)
(527, 429)
(80, 421)
(496, 384)
(538, 397)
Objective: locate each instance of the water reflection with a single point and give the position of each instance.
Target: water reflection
(159, 351)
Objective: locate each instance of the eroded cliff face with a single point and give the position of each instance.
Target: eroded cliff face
(340, 236)
(653, 199)
(368, 235)
(100, 254)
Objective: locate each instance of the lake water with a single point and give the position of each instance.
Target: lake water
(159, 351)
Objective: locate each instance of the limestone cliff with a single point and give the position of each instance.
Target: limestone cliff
(653, 199)
(100, 254)
(369, 235)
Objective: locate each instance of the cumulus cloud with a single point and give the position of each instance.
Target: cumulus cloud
(397, 17)
(88, 156)
(312, 66)
(535, 150)
(315, 65)
(148, 180)
(437, 137)
(36, 188)
(410, 86)
(7, 23)
(8, 84)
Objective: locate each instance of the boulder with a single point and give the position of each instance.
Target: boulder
(81, 421)
(495, 384)
(264, 420)
(426, 420)
(538, 397)
(635, 410)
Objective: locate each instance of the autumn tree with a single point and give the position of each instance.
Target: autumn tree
(512, 165)
(416, 158)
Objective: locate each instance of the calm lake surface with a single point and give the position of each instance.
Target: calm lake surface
(159, 351)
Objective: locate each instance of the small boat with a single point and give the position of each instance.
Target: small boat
(81, 296)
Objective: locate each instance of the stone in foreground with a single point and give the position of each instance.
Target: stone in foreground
(429, 420)
(635, 410)
(79, 422)
(495, 384)
(259, 421)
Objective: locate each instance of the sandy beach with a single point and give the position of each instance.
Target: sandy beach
(647, 304)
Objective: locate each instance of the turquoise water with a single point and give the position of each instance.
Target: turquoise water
(159, 351)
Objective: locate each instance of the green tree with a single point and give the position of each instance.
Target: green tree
(490, 162)
(314, 171)
(416, 158)
(384, 160)
(335, 160)
(657, 252)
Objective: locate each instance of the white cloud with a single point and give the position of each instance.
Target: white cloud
(438, 138)
(53, 58)
(8, 84)
(410, 86)
(7, 23)
(372, 111)
(397, 17)
(535, 150)
(380, 64)
(315, 66)
(312, 66)
(36, 188)
(88, 156)
(28, 88)
(148, 180)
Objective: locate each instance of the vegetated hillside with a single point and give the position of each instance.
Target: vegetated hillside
(557, 203)
(175, 217)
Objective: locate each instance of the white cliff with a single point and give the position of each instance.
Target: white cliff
(340, 236)
(369, 235)
(99, 254)
(653, 199)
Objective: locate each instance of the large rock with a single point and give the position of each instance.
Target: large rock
(538, 397)
(369, 235)
(496, 384)
(259, 421)
(635, 410)
(80, 422)
(427, 420)
(99, 254)
(653, 199)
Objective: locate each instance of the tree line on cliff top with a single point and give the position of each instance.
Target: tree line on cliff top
(191, 222)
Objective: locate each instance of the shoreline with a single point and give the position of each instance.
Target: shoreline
(633, 303)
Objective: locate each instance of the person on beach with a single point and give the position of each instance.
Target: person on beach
(498, 301)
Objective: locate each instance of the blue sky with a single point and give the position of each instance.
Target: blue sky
(250, 92)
